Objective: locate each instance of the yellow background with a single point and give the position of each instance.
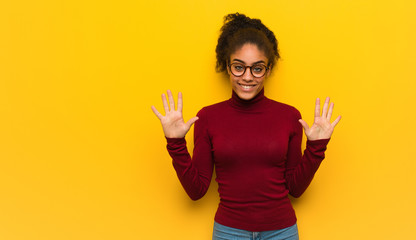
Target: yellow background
(83, 157)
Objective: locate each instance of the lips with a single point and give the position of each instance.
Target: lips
(246, 86)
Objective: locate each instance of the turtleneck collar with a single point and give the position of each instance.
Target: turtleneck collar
(253, 103)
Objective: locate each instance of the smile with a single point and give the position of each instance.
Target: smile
(246, 87)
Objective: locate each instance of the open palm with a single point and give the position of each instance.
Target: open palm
(172, 123)
(322, 127)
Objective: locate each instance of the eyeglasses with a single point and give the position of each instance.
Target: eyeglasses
(257, 70)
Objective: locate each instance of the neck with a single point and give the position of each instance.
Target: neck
(254, 102)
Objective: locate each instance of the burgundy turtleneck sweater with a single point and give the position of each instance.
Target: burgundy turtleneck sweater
(255, 146)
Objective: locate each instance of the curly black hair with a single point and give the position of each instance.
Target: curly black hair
(238, 29)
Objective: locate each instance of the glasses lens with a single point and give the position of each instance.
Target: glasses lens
(237, 69)
(258, 70)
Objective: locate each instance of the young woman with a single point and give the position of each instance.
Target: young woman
(253, 142)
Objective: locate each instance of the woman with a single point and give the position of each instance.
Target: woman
(253, 142)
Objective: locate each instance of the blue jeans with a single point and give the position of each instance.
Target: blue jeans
(222, 232)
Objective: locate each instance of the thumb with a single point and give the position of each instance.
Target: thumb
(304, 124)
(191, 121)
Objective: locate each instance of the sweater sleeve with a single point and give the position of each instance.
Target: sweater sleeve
(300, 170)
(194, 172)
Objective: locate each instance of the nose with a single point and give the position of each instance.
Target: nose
(247, 76)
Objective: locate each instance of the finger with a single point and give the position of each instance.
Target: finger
(336, 121)
(180, 103)
(171, 101)
(331, 107)
(165, 103)
(317, 107)
(191, 121)
(157, 113)
(304, 124)
(325, 108)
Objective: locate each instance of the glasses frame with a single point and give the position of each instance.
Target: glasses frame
(251, 70)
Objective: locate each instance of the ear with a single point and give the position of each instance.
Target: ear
(269, 71)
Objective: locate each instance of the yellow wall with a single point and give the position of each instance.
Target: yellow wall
(83, 157)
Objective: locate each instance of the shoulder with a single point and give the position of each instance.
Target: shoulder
(214, 109)
(288, 115)
(209, 115)
(284, 109)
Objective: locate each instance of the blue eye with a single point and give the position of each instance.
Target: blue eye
(258, 68)
(238, 68)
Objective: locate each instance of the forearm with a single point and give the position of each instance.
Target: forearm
(299, 176)
(195, 181)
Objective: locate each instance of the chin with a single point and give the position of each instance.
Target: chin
(246, 95)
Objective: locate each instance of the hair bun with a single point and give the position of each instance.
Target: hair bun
(235, 22)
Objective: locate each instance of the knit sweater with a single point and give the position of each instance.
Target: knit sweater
(255, 146)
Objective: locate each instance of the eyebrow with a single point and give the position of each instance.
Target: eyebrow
(238, 60)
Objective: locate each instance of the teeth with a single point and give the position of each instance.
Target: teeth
(246, 86)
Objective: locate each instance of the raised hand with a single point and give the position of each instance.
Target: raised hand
(322, 128)
(172, 123)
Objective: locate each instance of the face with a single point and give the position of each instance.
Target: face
(247, 86)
